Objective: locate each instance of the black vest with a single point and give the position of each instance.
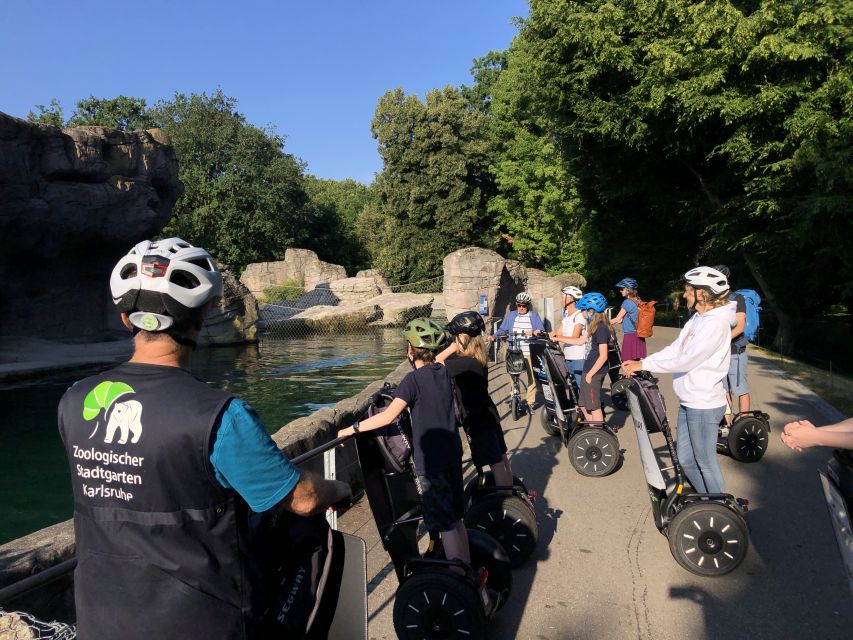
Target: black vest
(162, 548)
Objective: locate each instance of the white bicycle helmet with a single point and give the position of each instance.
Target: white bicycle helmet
(575, 292)
(523, 298)
(158, 283)
(707, 278)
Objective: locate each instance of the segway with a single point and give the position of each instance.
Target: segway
(505, 513)
(592, 446)
(436, 597)
(746, 438)
(707, 532)
(614, 366)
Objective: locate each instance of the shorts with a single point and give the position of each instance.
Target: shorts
(591, 391)
(487, 445)
(442, 498)
(736, 381)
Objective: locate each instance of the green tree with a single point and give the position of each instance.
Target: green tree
(343, 202)
(434, 183)
(727, 120)
(48, 114)
(123, 112)
(244, 197)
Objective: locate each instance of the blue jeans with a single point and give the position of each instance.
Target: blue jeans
(576, 371)
(696, 447)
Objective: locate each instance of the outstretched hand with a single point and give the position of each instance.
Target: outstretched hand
(630, 367)
(798, 435)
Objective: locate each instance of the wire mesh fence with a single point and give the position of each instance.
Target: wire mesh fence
(18, 625)
(361, 307)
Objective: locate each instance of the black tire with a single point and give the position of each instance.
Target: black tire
(748, 439)
(593, 452)
(508, 519)
(708, 539)
(489, 553)
(438, 604)
(489, 478)
(548, 422)
(619, 401)
(515, 403)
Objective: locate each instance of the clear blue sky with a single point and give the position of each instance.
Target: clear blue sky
(314, 70)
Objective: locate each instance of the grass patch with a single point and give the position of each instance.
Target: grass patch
(290, 289)
(835, 388)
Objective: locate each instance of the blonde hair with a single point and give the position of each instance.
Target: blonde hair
(599, 318)
(473, 348)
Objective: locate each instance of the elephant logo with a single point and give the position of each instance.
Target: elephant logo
(125, 416)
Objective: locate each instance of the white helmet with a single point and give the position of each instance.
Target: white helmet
(707, 278)
(158, 283)
(576, 293)
(523, 298)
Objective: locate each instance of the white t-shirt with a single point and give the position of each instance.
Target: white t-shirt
(574, 351)
(522, 323)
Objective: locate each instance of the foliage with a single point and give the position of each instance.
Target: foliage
(289, 289)
(48, 114)
(434, 184)
(123, 112)
(724, 120)
(342, 201)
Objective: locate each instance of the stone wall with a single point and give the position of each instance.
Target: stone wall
(72, 202)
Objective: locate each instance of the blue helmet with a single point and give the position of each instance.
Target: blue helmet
(594, 301)
(627, 283)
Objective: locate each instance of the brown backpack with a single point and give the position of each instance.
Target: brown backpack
(645, 317)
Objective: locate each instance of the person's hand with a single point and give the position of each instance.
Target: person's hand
(537, 332)
(630, 367)
(588, 378)
(491, 338)
(799, 435)
(346, 432)
(553, 335)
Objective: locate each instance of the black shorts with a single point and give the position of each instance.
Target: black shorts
(487, 446)
(591, 392)
(442, 498)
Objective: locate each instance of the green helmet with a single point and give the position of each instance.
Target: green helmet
(423, 333)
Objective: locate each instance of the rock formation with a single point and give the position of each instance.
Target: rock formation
(298, 264)
(72, 201)
(235, 319)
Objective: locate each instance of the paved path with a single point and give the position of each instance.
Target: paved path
(602, 571)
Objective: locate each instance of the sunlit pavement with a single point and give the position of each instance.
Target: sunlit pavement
(603, 571)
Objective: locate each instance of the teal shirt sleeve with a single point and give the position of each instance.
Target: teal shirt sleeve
(246, 459)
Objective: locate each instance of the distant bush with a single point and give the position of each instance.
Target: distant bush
(290, 289)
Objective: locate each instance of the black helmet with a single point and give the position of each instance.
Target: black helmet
(469, 322)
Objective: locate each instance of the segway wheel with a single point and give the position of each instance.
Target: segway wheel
(515, 403)
(708, 539)
(619, 401)
(489, 479)
(549, 423)
(488, 552)
(438, 604)
(508, 519)
(748, 439)
(593, 452)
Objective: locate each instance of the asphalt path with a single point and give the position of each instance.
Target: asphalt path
(602, 570)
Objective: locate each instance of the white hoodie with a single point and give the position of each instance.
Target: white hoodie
(699, 358)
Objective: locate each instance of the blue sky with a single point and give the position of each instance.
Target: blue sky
(314, 70)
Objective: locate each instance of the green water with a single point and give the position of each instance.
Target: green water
(282, 379)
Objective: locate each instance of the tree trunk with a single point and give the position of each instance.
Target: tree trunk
(789, 325)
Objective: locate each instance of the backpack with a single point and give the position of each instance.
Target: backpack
(303, 558)
(753, 316)
(645, 317)
(395, 439)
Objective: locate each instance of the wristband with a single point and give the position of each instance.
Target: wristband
(356, 426)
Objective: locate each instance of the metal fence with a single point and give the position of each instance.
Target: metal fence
(325, 310)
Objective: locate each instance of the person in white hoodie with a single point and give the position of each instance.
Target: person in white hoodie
(699, 361)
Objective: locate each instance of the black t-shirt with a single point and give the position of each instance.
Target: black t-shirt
(601, 335)
(472, 380)
(436, 445)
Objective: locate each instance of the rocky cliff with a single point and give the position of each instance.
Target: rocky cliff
(72, 201)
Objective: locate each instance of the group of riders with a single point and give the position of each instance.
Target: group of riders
(163, 538)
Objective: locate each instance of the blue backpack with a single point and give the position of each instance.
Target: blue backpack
(753, 317)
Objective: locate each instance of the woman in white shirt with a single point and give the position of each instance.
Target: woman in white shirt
(699, 361)
(573, 326)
